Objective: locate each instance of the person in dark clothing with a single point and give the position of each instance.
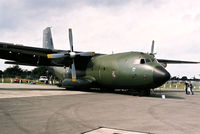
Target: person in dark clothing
(191, 88)
(186, 87)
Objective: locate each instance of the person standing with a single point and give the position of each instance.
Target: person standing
(191, 88)
(186, 87)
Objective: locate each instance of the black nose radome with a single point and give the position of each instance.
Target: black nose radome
(160, 75)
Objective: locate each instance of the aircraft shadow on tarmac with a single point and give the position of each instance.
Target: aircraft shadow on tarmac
(167, 95)
(156, 94)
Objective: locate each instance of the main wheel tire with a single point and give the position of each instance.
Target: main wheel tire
(144, 92)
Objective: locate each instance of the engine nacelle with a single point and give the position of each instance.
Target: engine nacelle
(79, 83)
(164, 65)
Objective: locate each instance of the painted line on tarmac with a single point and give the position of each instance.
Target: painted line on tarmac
(8, 90)
(20, 94)
(103, 130)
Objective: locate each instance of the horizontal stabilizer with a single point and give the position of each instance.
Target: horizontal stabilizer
(18, 63)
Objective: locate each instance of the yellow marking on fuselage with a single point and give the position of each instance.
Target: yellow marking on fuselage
(92, 54)
(49, 56)
(74, 79)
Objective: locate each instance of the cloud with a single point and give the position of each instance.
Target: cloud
(109, 25)
(69, 4)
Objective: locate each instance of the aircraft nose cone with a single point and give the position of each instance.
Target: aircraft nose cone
(160, 75)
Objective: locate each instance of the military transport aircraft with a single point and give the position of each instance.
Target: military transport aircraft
(130, 70)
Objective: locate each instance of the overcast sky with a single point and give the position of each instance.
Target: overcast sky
(109, 25)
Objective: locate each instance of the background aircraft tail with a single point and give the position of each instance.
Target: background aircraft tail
(47, 38)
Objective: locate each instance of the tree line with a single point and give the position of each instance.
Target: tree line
(16, 71)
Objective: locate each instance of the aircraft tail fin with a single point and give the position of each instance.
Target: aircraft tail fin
(47, 38)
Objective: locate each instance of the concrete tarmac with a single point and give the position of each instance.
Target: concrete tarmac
(52, 110)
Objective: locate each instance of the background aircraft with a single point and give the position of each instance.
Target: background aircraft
(130, 70)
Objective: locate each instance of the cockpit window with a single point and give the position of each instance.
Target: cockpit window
(143, 61)
(148, 60)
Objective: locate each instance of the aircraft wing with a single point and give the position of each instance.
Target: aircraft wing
(34, 56)
(176, 61)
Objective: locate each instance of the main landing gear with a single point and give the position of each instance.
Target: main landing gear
(145, 92)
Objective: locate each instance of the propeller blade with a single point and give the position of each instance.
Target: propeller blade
(71, 40)
(152, 47)
(57, 55)
(73, 72)
(87, 54)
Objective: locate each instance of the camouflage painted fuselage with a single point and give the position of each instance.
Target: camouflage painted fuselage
(131, 70)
